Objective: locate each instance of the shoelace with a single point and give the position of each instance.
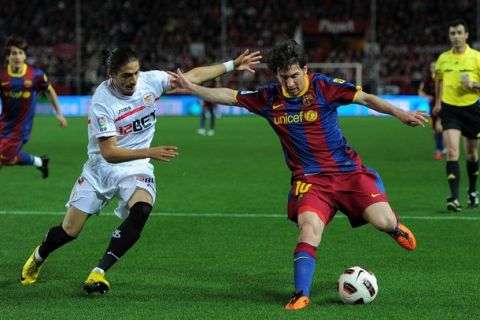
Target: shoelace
(296, 296)
(32, 267)
(400, 233)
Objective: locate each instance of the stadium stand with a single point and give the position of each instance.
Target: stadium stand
(186, 33)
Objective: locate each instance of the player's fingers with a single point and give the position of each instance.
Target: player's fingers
(179, 73)
(415, 124)
(170, 154)
(255, 56)
(419, 123)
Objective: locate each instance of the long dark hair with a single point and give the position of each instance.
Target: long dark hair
(114, 59)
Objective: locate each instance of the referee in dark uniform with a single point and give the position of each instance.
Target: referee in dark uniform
(457, 87)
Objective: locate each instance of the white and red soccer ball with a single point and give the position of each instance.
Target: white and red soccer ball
(357, 285)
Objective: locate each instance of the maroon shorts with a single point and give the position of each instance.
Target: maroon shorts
(9, 149)
(324, 194)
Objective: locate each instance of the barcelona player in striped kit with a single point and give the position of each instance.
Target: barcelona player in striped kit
(19, 84)
(327, 175)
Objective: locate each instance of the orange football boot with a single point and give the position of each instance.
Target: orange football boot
(404, 237)
(298, 301)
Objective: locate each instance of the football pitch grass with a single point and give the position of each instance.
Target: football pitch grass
(218, 244)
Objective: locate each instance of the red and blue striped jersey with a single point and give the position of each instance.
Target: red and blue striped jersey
(18, 92)
(307, 125)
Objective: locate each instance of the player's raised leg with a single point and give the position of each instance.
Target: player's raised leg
(56, 237)
(382, 217)
(311, 228)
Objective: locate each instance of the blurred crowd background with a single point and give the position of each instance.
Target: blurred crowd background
(395, 40)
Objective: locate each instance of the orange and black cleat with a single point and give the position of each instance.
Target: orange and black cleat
(298, 301)
(404, 237)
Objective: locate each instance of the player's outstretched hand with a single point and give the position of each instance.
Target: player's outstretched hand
(62, 120)
(163, 153)
(414, 118)
(246, 61)
(178, 83)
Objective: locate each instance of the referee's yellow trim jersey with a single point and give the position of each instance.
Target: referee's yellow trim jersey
(450, 68)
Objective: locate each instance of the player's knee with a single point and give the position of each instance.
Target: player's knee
(62, 234)
(71, 230)
(138, 216)
(310, 232)
(452, 153)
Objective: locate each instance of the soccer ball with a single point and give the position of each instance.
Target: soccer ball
(357, 286)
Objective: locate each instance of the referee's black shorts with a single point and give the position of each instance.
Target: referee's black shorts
(466, 119)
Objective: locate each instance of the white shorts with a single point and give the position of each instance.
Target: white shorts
(100, 181)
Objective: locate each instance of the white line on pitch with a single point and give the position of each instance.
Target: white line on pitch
(240, 215)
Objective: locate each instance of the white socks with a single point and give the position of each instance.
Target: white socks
(37, 257)
(37, 162)
(99, 270)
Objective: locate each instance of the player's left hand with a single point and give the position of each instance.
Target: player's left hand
(414, 118)
(246, 61)
(62, 120)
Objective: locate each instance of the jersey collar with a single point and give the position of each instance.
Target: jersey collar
(467, 48)
(304, 90)
(115, 92)
(18, 75)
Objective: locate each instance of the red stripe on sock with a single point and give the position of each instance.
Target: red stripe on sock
(307, 248)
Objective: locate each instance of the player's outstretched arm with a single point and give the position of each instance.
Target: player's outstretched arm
(113, 154)
(216, 95)
(244, 62)
(410, 118)
(52, 97)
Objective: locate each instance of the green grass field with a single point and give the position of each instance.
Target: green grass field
(218, 245)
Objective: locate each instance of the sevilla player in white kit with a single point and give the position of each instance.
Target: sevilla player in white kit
(121, 125)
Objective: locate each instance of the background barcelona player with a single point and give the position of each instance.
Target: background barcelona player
(426, 89)
(327, 175)
(19, 84)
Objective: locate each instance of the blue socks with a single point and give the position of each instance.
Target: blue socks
(438, 141)
(304, 266)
